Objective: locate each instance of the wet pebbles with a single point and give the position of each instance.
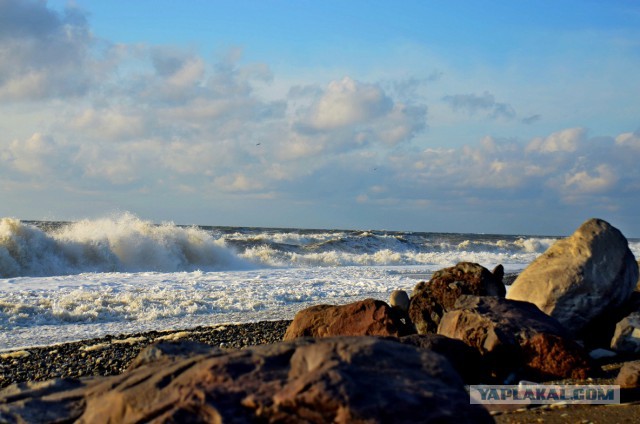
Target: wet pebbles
(111, 355)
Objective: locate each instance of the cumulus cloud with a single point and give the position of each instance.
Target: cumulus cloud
(166, 120)
(348, 102)
(596, 180)
(44, 53)
(349, 114)
(562, 141)
(38, 156)
(631, 140)
(486, 102)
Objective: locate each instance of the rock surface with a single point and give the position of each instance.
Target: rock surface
(399, 299)
(431, 299)
(368, 317)
(464, 358)
(629, 375)
(627, 334)
(341, 380)
(580, 278)
(515, 336)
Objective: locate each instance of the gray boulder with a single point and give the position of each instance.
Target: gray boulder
(582, 278)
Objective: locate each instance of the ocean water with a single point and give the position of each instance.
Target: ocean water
(69, 281)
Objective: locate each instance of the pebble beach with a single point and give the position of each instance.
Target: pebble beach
(112, 355)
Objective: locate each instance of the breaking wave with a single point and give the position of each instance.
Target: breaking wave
(126, 243)
(123, 243)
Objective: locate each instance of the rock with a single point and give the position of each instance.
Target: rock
(465, 359)
(626, 337)
(431, 299)
(171, 351)
(629, 375)
(601, 331)
(581, 278)
(399, 299)
(515, 336)
(368, 317)
(341, 380)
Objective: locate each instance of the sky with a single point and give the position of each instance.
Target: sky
(510, 117)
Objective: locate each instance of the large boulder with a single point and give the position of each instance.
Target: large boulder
(431, 299)
(340, 380)
(367, 317)
(581, 279)
(515, 336)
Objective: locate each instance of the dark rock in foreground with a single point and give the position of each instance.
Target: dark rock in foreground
(344, 379)
(464, 358)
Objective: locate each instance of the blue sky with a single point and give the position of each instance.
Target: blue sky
(459, 116)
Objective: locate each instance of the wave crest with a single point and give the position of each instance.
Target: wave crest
(123, 243)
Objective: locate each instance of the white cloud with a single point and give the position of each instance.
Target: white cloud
(348, 102)
(111, 124)
(44, 54)
(597, 180)
(629, 139)
(38, 156)
(562, 141)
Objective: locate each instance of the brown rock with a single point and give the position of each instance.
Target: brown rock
(341, 380)
(432, 299)
(368, 317)
(629, 375)
(515, 336)
(581, 278)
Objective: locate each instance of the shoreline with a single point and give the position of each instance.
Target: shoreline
(112, 354)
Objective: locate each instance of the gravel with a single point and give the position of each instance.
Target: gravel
(111, 355)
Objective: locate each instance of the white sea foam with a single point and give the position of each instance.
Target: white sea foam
(45, 310)
(121, 243)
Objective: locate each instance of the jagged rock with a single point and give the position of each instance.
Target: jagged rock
(367, 317)
(341, 380)
(629, 375)
(464, 358)
(431, 299)
(515, 336)
(581, 278)
(626, 337)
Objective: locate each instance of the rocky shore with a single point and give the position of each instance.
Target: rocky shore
(111, 355)
(571, 318)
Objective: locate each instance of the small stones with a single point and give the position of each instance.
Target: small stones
(111, 355)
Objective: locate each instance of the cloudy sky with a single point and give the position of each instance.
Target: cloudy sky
(455, 116)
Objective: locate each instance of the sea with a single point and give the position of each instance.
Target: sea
(68, 281)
